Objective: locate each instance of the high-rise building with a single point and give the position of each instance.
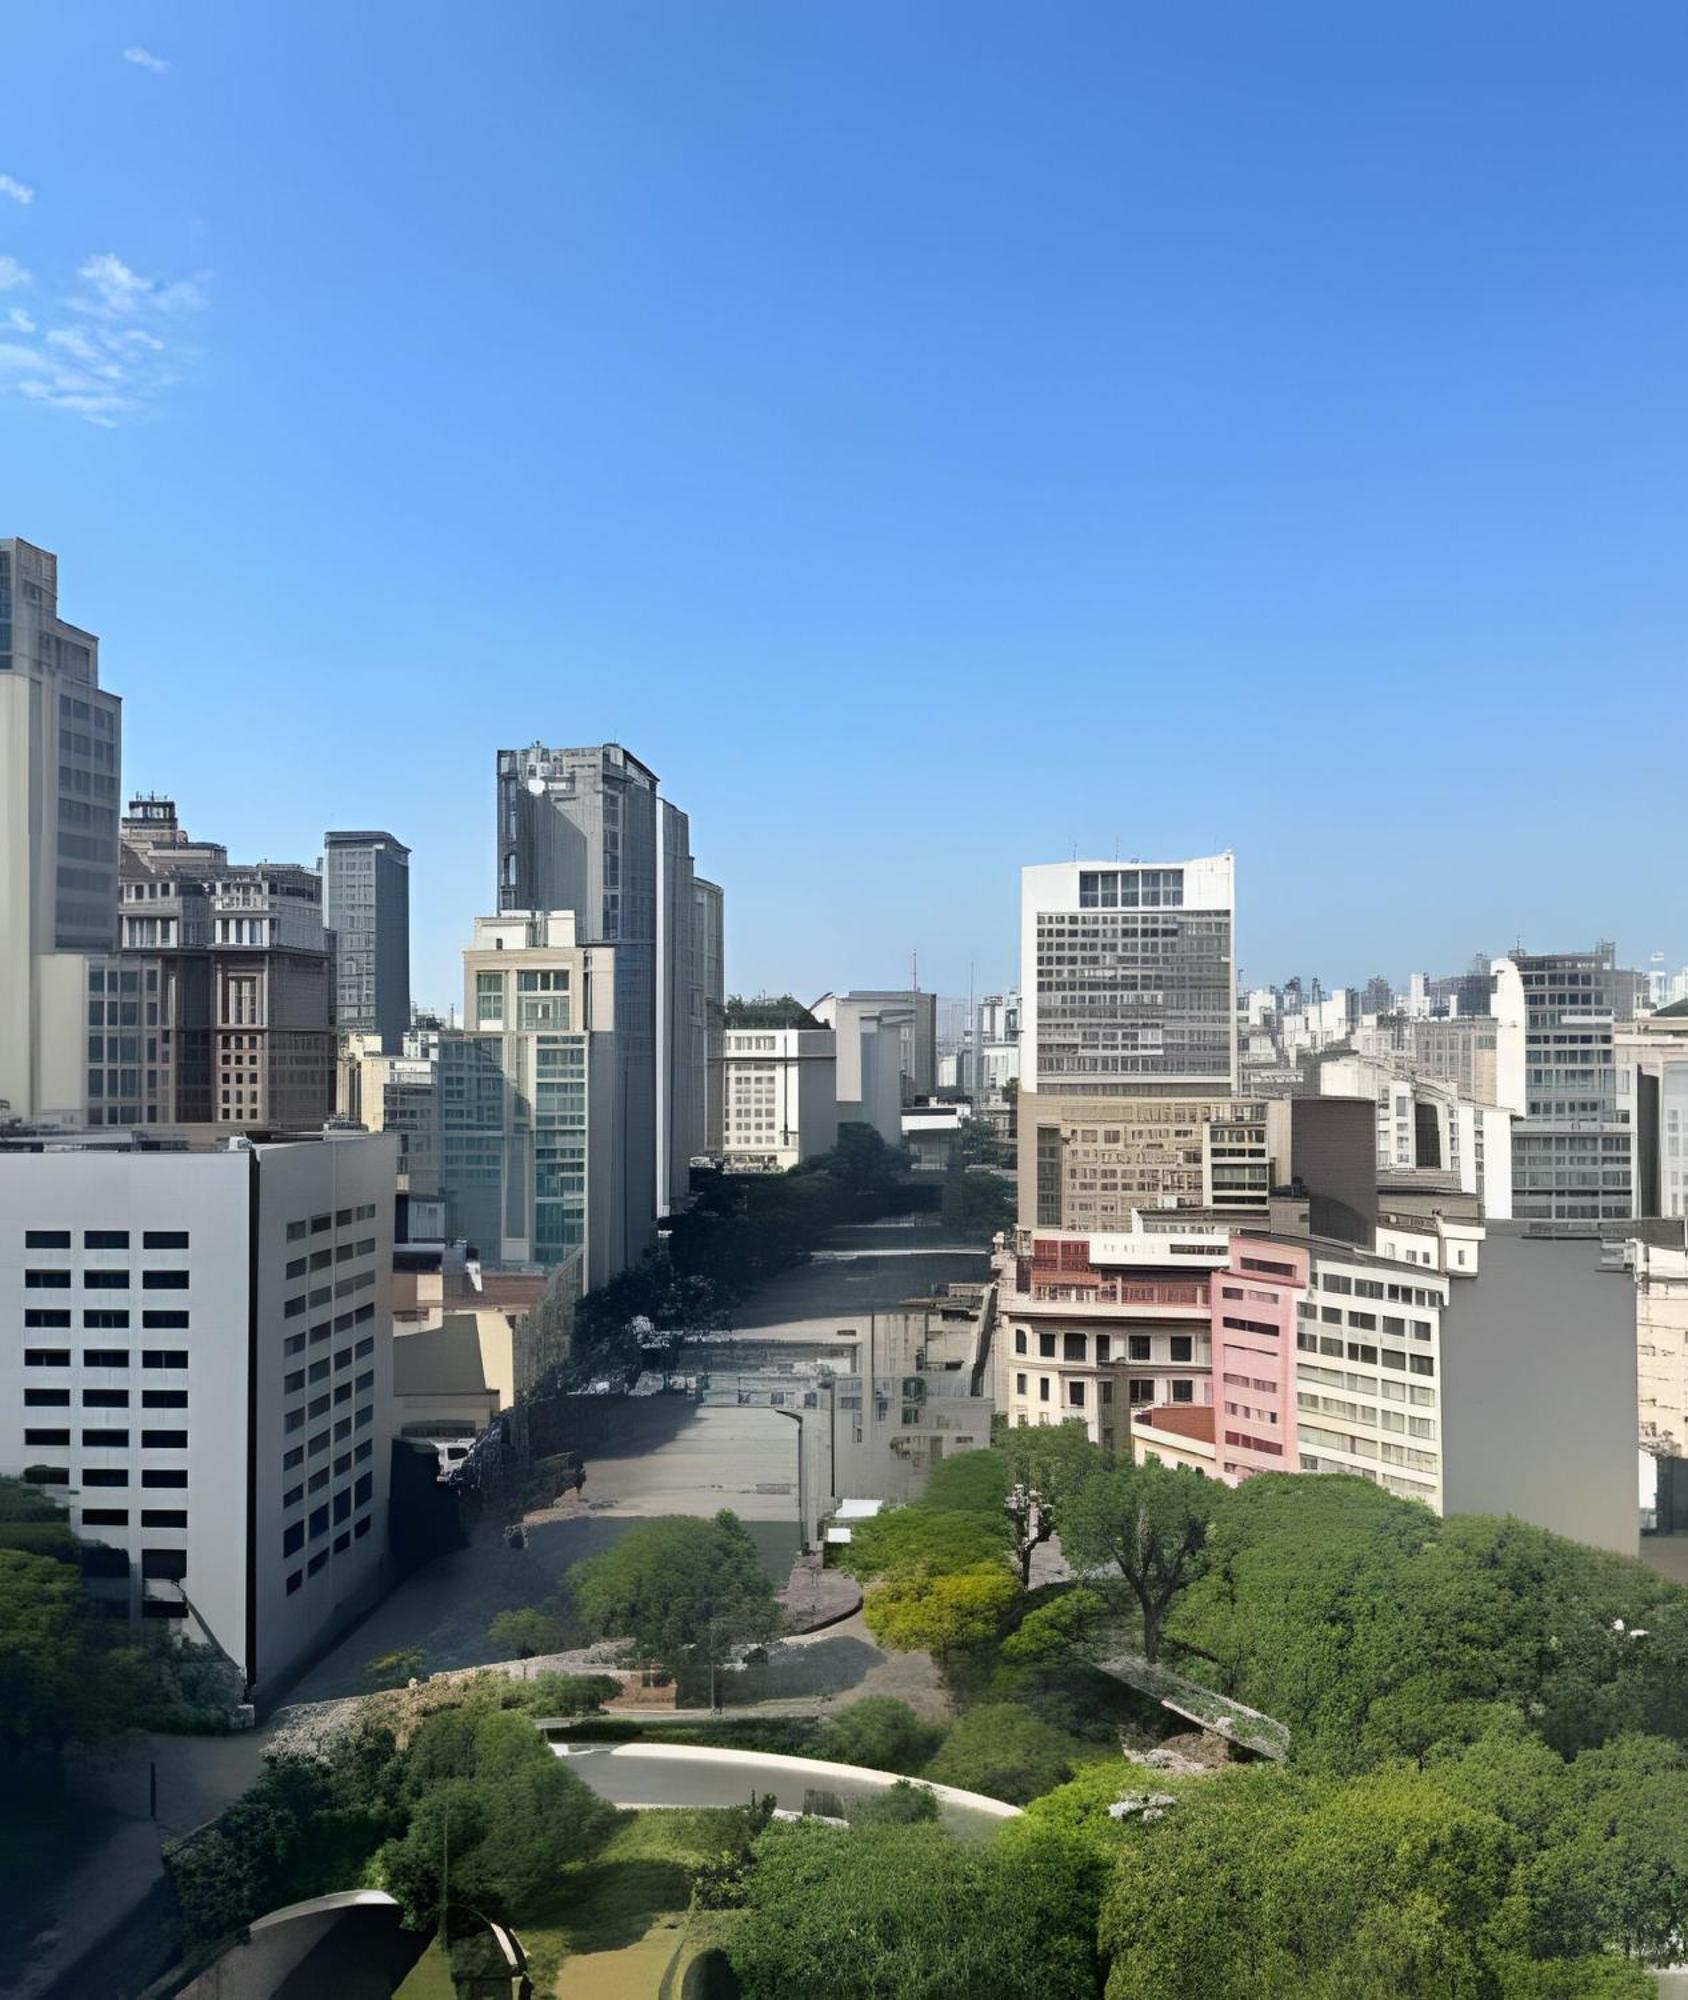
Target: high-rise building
(217, 1007)
(530, 1121)
(1557, 1016)
(1128, 1046)
(60, 767)
(1652, 1063)
(198, 1361)
(366, 904)
(584, 830)
(708, 917)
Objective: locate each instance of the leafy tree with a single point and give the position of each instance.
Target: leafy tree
(909, 1537)
(1004, 1751)
(306, 1827)
(1150, 1522)
(903, 1805)
(511, 1811)
(48, 1653)
(683, 1590)
(1375, 1631)
(917, 1612)
(968, 1482)
(396, 1670)
(1047, 1465)
(525, 1632)
(912, 1912)
(1055, 1632)
(881, 1732)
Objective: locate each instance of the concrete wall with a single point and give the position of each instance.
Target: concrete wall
(1539, 1395)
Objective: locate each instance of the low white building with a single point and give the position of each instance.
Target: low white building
(780, 1097)
(196, 1357)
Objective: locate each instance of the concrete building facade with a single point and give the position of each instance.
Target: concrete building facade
(780, 1097)
(366, 904)
(1557, 1016)
(196, 1356)
(61, 738)
(530, 1118)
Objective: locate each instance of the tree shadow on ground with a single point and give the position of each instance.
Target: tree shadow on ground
(827, 1666)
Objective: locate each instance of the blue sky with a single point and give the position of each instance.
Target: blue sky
(933, 437)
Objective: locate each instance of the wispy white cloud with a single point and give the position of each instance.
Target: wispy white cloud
(145, 59)
(16, 190)
(13, 276)
(109, 349)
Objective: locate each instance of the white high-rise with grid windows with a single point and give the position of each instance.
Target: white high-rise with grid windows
(196, 1358)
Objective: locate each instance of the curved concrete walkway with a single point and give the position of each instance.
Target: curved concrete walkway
(680, 1774)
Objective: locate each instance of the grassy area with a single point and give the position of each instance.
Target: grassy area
(614, 1923)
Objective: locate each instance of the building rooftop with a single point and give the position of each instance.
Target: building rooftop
(1190, 1420)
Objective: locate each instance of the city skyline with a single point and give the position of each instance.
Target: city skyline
(804, 409)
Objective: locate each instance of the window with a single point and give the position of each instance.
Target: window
(1046, 1346)
(1043, 1388)
(105, 1357)
(164, 1281)
(105, 1399)
(104, 1475)
(46, 1239)
(164, 1357)
(163, 1476)
(162, 1320)
(489, 996)
(46, 1437)
(105, 1281)
(1137, 1347)
(108, 1439)
(46, 1357)
(164, 1399)
(1183, 1392)
(105, 1239)
(1019, 1340)
(1075, 1395)
(106, 1317)
(1183, 1347)
(47, 1281)
(164, 1517)
(164, 1440)
(105, 1517)
(169, 1239)
(1072, 1347)
(46, 1399)
(40, 1316)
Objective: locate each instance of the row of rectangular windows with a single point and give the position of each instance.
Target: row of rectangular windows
(105, 1317)
(341, 1544)
(315, 1226)
(105, 1239)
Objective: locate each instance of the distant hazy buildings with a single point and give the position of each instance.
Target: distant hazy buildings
(60, 769)
(366, 904)
(202, 1373)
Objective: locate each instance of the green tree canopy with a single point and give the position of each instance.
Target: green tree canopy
(682, 1589)
(915, 1611)
(1004, 1751)
(1149, 1522)
(881, 1732)
(913, 1912)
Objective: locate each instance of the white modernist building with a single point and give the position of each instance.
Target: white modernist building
(196, 1356)
(779, 1097)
